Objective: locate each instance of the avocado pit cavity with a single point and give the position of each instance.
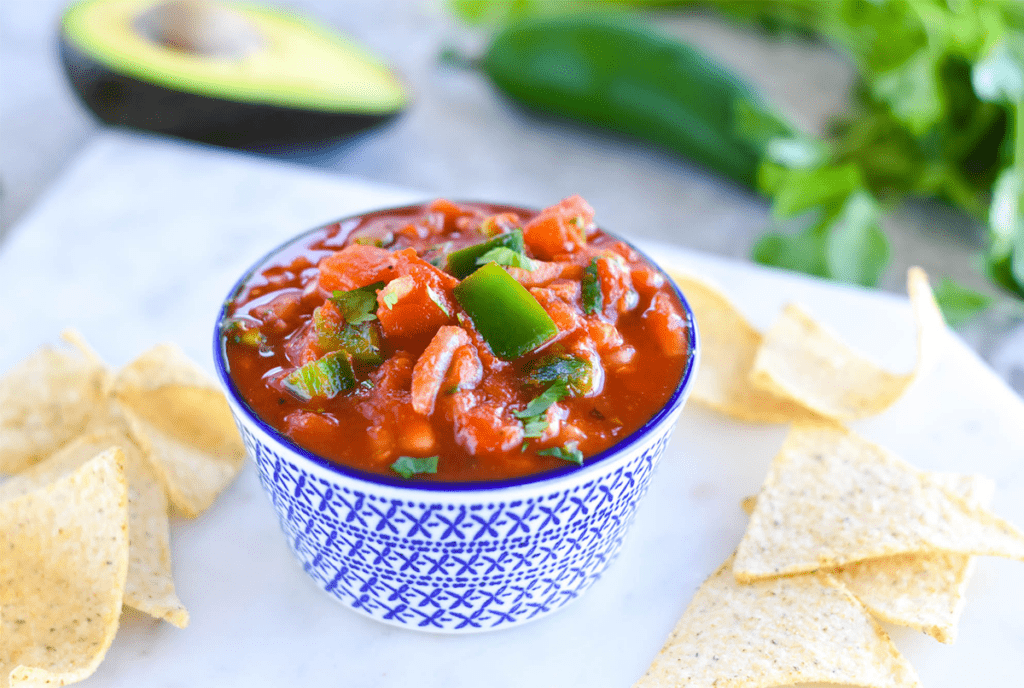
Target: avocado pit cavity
(202, 28)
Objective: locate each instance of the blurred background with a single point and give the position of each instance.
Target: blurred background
(463, 135)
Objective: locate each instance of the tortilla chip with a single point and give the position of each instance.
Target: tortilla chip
(803, 362)
(46, 401)
(787, 630)
(925, 591)
(150, 585)
(63, 573)
(922, 591)
(831, 498)
(728, 346)
(182, 421)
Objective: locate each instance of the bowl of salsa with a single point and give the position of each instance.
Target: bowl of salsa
(455, 408)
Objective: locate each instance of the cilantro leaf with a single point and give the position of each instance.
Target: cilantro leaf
(358, 305)
(593, 299)
(570, 452)
(539, 404)
(408, 466)
(534, 416)
(502, 255)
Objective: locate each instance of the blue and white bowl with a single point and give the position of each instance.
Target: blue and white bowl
(455, 557)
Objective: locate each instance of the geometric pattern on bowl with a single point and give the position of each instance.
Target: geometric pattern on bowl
(454, 562)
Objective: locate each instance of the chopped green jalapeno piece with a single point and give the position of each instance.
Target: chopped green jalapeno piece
(324, 378)
(507, 316)
(408, 466)
(362, 342)
(358, 305)
(575, 372)
(245, 332)
(593, 299)
(462, 263)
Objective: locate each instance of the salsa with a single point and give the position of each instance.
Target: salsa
(457, 342)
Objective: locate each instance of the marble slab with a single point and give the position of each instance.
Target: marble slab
(141, 239)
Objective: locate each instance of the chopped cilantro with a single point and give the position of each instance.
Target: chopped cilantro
(540, 404)
(534, 426)
(593, 299)
(502, 255)
(534, 416)
(358, 305)
(570, 452)
(408, 466)
(438, 300)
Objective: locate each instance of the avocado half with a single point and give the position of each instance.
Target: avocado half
(233, 75)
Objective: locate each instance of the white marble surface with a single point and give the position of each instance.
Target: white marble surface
(140, 240)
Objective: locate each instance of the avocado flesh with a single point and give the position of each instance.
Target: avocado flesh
(304, 83)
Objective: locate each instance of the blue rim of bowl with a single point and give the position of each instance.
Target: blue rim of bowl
(675, 400)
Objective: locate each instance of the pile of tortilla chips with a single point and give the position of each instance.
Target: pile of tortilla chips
(843, 533)
(94, 459)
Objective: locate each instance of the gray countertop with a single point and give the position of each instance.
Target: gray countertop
(460, 139)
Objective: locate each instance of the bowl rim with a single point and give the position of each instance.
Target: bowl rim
(593, 464)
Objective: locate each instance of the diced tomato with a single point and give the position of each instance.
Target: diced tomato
(281, 313)
(666, 324)
(497, 224)
(407, 262)
(408, 308)
(449, 210)
(356, 266)
(567, 289)
(604, 335)
(559, 229)
(388, 408)
(567, 318)
(307, 427)
(545, 272)
(616, 285)
(395, 374)
(486, 429)
(647, 281)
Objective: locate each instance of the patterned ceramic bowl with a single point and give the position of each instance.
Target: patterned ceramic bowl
(455, 557)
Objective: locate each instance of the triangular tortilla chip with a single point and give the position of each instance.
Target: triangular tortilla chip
(800, 629)
(46, 401)
(800, 360)
(182, 421)
(831, 498)
(924, 591)
(728, 346)
(150, 585)
(62, 574)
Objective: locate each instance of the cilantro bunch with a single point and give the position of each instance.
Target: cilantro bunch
(937, 114)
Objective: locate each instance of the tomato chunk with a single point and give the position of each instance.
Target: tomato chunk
(356, 266)
(559, 229)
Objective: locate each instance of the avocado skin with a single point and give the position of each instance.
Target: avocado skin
(125, 101)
